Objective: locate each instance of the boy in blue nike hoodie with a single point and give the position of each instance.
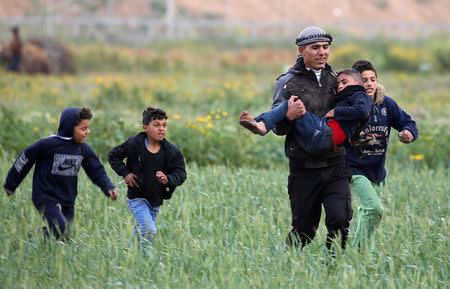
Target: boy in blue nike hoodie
(58, 159)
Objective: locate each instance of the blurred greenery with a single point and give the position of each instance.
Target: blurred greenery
(204, 87)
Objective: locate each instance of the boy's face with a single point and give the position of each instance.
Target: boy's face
(370, 82)
(81, 131)
(156, 129)
(345, 80)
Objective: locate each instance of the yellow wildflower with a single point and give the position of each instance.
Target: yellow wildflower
(36, 128)
(416, 157)
(176, 116)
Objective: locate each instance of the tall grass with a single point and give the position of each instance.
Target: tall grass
(225, 228)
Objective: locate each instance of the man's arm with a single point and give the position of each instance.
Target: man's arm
(280, 95)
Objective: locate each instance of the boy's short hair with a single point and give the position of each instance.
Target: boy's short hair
(151, 113)
(83, 113)
(363, 65)
(355, 74)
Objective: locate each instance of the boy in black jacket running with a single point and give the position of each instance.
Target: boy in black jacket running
(58, 159)
(154, 168)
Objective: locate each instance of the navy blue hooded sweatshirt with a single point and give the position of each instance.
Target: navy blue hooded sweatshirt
(58, 159)
(352, 108)
(369, 161)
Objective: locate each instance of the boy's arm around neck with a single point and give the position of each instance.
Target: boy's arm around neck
(359, 110)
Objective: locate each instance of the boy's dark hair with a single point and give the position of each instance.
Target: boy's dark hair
(83, 113)
(151, 113)
(355, 74)
(363, 65)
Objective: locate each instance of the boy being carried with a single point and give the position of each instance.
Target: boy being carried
(316, 134)
(58, 159)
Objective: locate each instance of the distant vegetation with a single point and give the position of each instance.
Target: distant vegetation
(205, 86)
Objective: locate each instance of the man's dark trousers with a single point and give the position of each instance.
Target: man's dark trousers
(309, 189)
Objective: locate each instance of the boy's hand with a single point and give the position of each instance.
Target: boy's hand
(405, 136)
(8, 192)
(330, 114)
(113, 194)
(130, 180)
(162, 178)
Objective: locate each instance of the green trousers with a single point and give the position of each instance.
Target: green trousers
(370, 210)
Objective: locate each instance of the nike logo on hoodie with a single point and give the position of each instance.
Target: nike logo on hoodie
(66, 165)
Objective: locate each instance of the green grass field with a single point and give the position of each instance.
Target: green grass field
(225, 226)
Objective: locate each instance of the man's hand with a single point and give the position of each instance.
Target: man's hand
(113, 194)
(296, 108)
(405, 136)
(162, 178)
(130, 180)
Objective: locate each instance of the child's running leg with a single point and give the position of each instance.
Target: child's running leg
(145, 215)
(57, 217)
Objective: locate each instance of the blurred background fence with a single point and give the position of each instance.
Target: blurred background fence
(146, 21)
(143, 31)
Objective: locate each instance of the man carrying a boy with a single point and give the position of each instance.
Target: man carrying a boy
(319, 134)
(314, 179)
